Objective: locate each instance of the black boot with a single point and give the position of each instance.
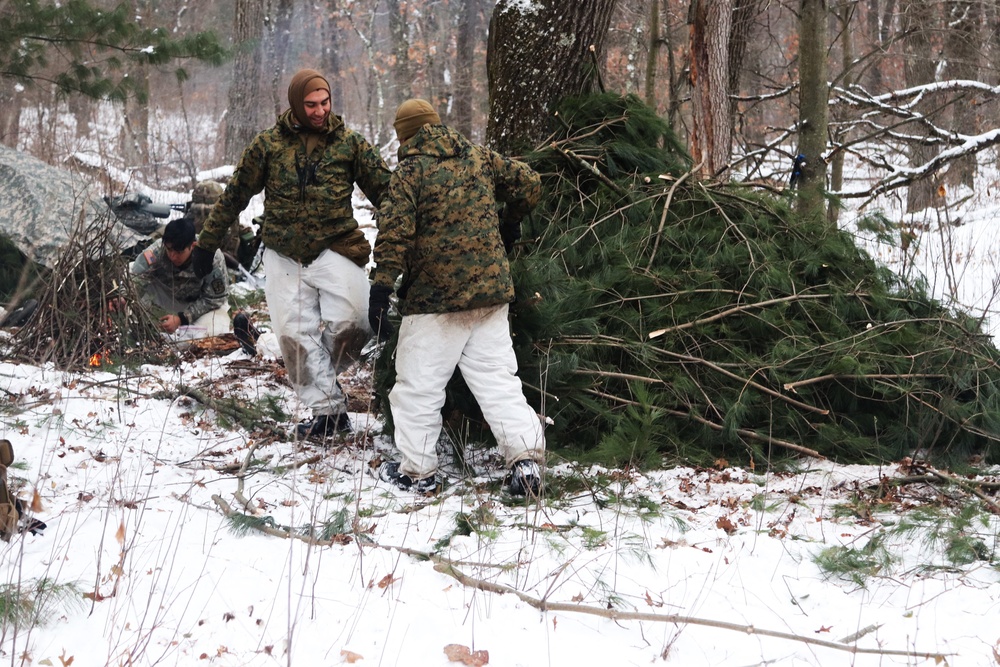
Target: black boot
(324, 426)
(246, 333)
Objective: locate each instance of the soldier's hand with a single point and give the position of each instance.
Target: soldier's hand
(202, 261)
(170, 323)
(378, 311)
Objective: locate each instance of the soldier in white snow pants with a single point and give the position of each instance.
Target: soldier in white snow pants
(477, 342)
(319, 313)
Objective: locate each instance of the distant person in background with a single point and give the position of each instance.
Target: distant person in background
(440, 230)
(314, 253)
(165, 279)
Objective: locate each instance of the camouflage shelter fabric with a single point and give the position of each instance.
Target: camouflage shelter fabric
(307, 205)
(439, 227)
(41, 205)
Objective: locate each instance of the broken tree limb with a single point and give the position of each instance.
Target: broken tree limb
(541, 604)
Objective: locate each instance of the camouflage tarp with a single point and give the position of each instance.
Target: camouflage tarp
(40, 205)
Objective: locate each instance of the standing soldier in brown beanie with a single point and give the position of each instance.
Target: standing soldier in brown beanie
(307, 165)
(439, 229)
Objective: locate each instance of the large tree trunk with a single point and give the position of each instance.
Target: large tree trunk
(330, 62)
(962, 55)
(536, 55)
(10, 115)
(279, 36)
(653, 54)
(846, 15)
(402, 79)
(710, 22)
(134, 135)
(813, 99)
(465, 48)
(919, 67)
(244, 91)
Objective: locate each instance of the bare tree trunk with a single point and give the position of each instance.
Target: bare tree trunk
(465, 48)
(134, 134)
(846, 15)
(10, 116)
(813, 98)
(710, 22)
(244, 91)
(919, 67)
(536, 55)
(331, 63)
(653, 54)
(963, 62)
(278, 39)
(402, 78)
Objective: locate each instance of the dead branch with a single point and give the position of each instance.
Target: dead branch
(666, 208)
(792, 386)
(543, 605)
(934, 476)
(745, 381)
(572, 157)
(736, 309)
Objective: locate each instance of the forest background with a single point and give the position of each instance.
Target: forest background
(907, 87)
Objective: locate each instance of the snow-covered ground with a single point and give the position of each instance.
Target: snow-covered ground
(681, 566)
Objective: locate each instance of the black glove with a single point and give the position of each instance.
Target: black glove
(246, 251)
(378, 311)
(202, 261)
(510, 223)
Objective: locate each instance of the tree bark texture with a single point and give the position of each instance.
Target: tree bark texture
(813, 99)
(465, 48)
(402, 79)
(963, 62)
(709, 24)
(653, 54)
(279, 37)
(917, 20)
(331, 62)
(536, 55)
(244, 91)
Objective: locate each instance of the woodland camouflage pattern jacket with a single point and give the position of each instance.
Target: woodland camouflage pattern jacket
(438, 224)
(307, 201)
(157, 280)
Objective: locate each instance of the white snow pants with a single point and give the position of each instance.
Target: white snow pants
(320, 314)
(216, 322)
(478, 343)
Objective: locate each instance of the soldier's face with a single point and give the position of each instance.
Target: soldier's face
(317, 108)
(179, 257)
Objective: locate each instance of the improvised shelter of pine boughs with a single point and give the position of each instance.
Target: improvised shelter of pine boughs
(663, 318)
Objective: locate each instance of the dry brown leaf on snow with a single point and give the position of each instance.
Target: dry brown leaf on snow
(462, 654)
(120, 535)
(725, 524)
(36, 501)
(350, 656)
(386, 581)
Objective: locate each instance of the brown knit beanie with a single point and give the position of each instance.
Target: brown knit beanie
(304, 82)
(412, 115)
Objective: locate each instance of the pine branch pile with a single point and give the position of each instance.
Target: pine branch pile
(89, 313)
(662, 317)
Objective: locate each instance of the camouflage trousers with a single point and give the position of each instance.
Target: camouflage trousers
(319, 313)
(478, 343)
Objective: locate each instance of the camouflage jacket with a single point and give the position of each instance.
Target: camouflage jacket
(307, 201)
(438, 225)
(180, 291)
